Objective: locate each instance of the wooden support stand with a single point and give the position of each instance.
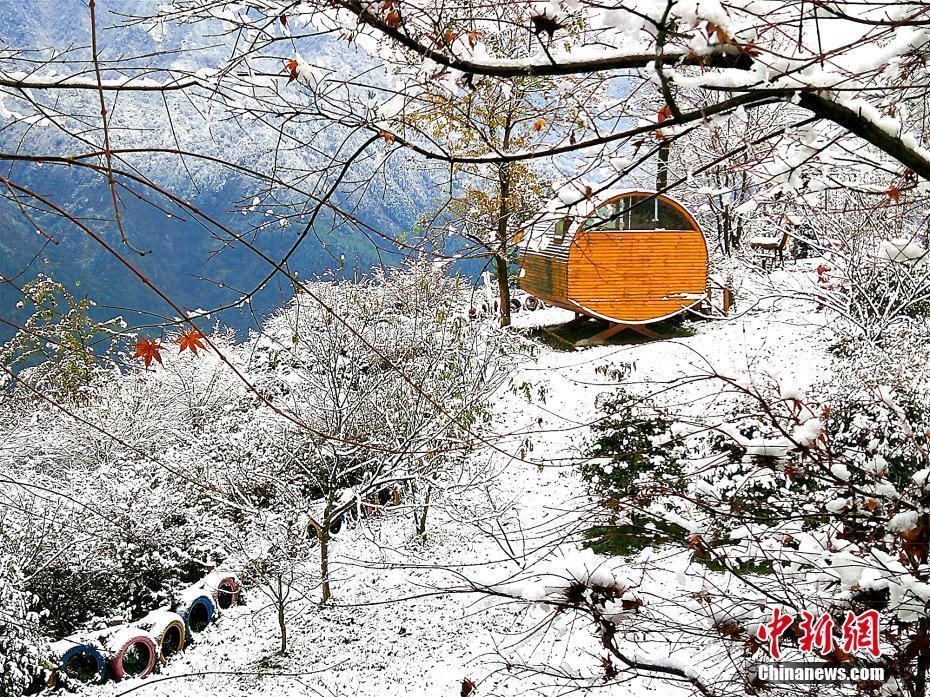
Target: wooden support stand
(614, 328)
(577, 322)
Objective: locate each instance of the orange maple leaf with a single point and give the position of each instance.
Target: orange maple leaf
(147, 350)
(192, 340)
(392, 19)
(538, 126)
(291, 67)
(665, 113)
(720, 32)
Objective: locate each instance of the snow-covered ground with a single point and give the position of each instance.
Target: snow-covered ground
(390, 628)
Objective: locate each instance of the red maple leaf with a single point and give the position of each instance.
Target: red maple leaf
(750, 50)
(147, 350)
(665, 113)
(191, 340)
(291, 67)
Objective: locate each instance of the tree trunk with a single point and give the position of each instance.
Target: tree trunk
(665, 149)
(503, 283)
(503, 288)
(282, 625)
(421, 520)
(324, 563)
(727, 229)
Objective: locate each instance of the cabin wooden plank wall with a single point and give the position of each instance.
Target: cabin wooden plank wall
(626, 275)
(546, 275)
(619, 264)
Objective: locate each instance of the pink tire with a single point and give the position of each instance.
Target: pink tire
(227, 593)
(135, 658)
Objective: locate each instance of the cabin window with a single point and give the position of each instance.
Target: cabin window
(643, 213)
(670, 218)
(608, 217)
(561, 229)
(638, 213)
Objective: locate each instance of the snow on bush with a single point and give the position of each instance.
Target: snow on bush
(22, 646)
(152, 477)
(806, 500)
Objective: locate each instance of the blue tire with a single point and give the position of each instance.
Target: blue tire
(200, 614)
(84, 676)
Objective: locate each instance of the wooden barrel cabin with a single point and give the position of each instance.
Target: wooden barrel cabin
(637, 257)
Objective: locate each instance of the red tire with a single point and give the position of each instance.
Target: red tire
(134, 659)
(227, 593)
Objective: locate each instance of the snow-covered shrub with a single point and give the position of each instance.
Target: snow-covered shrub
(879, 428)
(636, 459)
(22, 646)
(112, 499)
(876, 286)
(132, 577)
(126, 558)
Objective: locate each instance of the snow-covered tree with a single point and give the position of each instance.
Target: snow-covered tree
(60, 348)
(390, 381)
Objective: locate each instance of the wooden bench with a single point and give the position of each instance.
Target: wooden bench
(775, 245)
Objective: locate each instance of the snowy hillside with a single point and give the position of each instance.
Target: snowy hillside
(402, 619)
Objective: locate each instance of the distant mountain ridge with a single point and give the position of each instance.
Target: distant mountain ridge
(183, 259)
